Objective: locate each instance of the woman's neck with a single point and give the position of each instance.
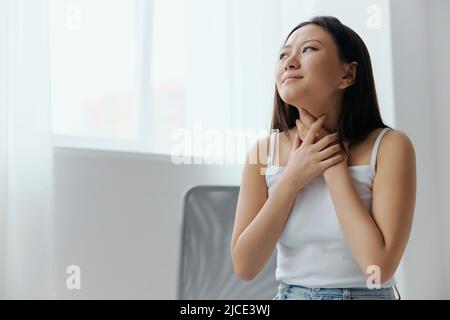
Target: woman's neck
(331, 109)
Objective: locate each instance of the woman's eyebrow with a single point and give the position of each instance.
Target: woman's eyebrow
(307, 40)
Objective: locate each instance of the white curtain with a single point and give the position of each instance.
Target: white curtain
(26, 160)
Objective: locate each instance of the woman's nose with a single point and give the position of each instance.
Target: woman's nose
(291, 62)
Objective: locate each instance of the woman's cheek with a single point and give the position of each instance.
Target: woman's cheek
(323, 76)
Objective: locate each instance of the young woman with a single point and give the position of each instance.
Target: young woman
(338, 194)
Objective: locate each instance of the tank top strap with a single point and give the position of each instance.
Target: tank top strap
(376, 146)
(271, 148)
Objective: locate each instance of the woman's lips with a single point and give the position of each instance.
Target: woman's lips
(290, 79)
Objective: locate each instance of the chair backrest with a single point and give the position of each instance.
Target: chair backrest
(205, 269)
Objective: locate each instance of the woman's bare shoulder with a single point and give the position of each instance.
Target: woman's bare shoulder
(396, 150)
(258, 152)
(396, 140)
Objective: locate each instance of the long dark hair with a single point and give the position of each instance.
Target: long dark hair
(360, 112)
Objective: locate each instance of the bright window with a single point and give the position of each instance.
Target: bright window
(126, 74)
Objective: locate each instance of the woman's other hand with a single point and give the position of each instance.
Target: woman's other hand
(308, 159)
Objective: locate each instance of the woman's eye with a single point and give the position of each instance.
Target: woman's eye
(281, 55)
(306, 48)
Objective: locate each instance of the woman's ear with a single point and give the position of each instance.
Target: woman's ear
(349, 77)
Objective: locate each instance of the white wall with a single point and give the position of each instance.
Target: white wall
(438, 30)
(421, 82)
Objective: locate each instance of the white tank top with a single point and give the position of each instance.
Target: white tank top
(312, 250)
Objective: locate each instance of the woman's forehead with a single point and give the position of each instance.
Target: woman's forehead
(308, 32)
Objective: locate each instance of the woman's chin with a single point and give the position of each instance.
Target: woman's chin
(290, 100)
(294, 99)
(295, 102)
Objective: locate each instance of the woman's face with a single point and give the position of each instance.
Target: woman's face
(311, 55)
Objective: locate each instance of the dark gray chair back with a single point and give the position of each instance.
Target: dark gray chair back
(205, 269)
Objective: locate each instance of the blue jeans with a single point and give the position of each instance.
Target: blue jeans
(296, 292)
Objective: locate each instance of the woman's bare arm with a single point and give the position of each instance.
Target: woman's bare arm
(259, 219)
(378, 237)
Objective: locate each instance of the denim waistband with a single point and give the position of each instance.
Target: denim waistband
(288, 291)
